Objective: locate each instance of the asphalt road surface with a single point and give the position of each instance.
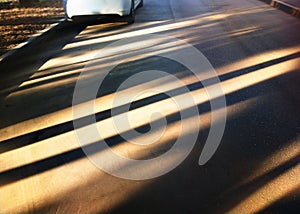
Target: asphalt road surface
(253, 48)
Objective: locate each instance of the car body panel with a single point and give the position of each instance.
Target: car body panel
(98, 7)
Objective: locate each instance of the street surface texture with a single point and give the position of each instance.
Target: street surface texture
(255, 50)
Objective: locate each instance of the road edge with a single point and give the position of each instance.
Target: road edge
(36, 38)
(284, 6)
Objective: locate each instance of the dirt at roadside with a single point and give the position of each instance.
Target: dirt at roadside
(19, 24)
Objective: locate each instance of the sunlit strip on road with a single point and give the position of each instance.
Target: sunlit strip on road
(52, 190)
(200, 95)
(104, 103)
(274, 190)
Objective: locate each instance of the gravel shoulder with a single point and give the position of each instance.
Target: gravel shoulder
(19, 24)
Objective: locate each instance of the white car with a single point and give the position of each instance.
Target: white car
(124, 8)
